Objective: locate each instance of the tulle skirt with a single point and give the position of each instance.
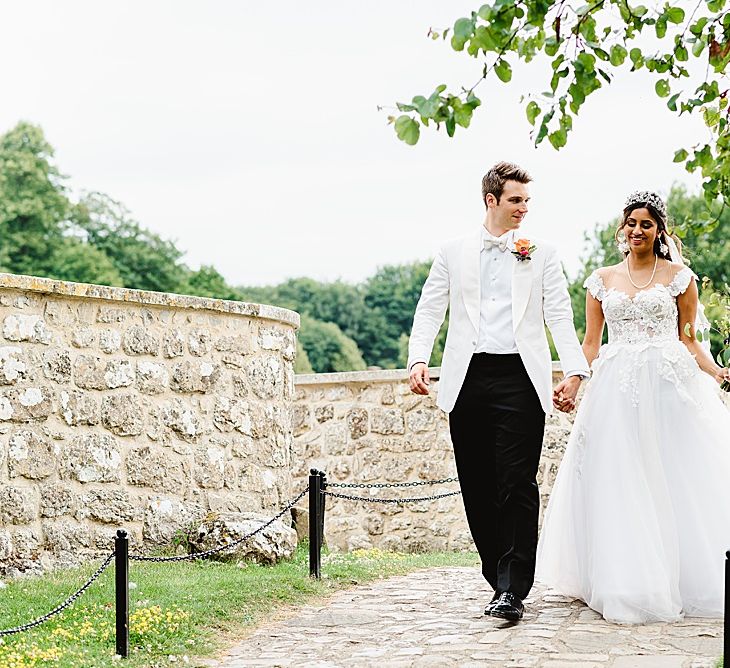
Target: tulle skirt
(638, 521)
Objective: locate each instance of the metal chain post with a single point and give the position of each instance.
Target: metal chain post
(726, 631)
(121, 588)
(322, 504)
(316, 516)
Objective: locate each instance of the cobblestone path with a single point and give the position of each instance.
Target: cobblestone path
(434, 618)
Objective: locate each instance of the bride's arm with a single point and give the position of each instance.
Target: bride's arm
(687, 306)
(594, 328)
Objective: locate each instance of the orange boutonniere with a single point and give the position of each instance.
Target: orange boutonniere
(523, 248)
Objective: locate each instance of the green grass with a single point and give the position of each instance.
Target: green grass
(178, 609)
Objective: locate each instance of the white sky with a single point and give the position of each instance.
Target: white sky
(248, 132)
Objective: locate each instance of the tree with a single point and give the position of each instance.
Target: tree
(33, 203)
(208, 282)
(392, 294)
(437, 353)
(302, 363)
(144, 260)
(337, 302)
(327, 348)
(707, 250)
(377, 314)
(586, 44)
(75, 260)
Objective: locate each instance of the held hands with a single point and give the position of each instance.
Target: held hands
(419, 378)
(565, 393)
(723, 377)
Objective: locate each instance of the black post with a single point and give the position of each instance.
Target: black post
(121, 583)
(315, 531)
(726, 632)
(322, 503)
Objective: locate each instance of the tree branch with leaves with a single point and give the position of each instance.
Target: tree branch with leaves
(587, 44)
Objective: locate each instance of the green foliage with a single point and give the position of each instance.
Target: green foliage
(302, 363)
(208, 282)
(75, 260)
(391, 295)
(705, 245)
(447, 109)
(143, 259)
(376, 315)
(33, 202)
(327, 348)
(337, 302)
(438, 346)
(586, 44)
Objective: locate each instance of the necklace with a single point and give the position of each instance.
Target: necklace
(641, 287)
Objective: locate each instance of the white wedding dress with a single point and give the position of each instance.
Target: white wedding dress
(638, 521)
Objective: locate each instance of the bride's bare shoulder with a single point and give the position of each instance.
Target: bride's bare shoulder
(609, 269)
(676, 267)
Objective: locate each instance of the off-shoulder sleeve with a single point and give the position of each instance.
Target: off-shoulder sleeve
(681, 281)
(594, 285)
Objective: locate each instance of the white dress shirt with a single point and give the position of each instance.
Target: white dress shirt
(496, 333)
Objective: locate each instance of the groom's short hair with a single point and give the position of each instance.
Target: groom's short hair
(493, 181)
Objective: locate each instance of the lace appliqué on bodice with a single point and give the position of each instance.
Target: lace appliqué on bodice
(649, 316)
(648, 319)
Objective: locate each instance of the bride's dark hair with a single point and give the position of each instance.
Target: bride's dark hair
(660, 219)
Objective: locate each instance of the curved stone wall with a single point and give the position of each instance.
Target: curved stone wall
(367, 426)
(137, 409)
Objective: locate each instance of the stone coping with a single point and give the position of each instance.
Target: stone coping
(374, 376)
(51, 286)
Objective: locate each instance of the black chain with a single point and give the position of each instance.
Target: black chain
(62, 606)
(200, 555)
(383, 485)
(373, 500)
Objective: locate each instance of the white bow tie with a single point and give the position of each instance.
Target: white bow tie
(491, 242)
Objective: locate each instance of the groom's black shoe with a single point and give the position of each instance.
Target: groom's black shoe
(508, 606)
(492, 603)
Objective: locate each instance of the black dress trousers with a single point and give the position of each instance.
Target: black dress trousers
(497, 427)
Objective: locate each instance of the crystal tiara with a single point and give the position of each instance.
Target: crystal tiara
(646, 197)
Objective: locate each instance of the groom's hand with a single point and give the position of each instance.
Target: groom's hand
(419, 378)
(565, 393)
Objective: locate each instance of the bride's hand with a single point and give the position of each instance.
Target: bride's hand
(723, 376)
(565, 393)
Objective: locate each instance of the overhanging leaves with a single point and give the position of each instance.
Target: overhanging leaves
(585, 43)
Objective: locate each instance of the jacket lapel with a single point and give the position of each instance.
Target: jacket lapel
(471, 277)
(521, 285)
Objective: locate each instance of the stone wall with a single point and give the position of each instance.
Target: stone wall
(367, 426)
(138, 409)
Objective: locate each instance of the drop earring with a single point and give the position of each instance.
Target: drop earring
(663, 248)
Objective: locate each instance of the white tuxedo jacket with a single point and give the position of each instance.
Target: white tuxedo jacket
(539, 297)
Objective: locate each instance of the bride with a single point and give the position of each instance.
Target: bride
(638, 521)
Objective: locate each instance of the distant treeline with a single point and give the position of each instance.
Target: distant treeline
(44, 231)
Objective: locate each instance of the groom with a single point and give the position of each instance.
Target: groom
(496, 375)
